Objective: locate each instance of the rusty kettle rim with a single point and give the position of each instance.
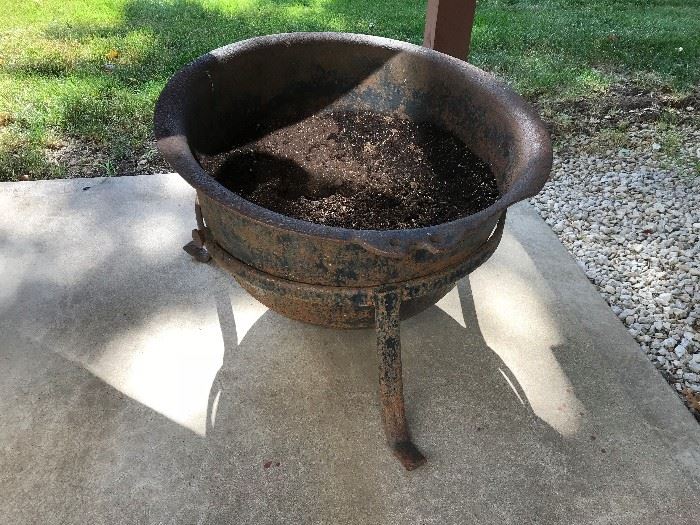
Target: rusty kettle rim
(529, 170)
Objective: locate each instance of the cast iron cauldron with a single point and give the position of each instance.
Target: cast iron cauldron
(332, 276)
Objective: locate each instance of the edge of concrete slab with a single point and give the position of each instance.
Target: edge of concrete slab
(128, 454)
(591, 310)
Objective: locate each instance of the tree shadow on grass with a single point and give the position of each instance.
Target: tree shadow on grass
(116, 71)
(106, 78)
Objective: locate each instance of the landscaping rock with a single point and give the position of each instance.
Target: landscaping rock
(630, 217)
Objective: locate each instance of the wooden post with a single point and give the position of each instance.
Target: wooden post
(448, 26)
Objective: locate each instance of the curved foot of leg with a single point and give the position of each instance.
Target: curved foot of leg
(196, 248)
(408, 454)
(387, 306)
(198, 252)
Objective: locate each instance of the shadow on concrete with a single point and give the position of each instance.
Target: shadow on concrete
(299, 404)
(138, 386)
(110, 386)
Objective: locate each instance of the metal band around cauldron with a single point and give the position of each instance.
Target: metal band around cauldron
(360, 296)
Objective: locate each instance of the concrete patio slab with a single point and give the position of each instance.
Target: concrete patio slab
(140, 387)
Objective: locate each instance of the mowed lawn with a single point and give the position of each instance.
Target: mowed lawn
(84, 74)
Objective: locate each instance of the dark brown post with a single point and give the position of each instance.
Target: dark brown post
(448, 26)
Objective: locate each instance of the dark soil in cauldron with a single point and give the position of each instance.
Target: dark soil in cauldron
(361, 171)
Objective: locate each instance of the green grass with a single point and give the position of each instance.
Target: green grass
(89, 71)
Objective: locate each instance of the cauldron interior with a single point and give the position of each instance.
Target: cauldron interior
(240, 92)
(244, 95)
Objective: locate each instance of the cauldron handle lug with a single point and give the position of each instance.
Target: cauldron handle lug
(387, 304)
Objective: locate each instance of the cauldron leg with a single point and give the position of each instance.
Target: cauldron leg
(387, 320)
(196, 246)
(199, 253)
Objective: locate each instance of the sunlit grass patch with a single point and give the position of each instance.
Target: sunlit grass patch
(89, 71)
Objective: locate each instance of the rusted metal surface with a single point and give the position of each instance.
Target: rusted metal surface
(198, 252)
(448, 26)
(258, 80)
(196, 247)
(387, 304)
(345, 306)
(333, 276)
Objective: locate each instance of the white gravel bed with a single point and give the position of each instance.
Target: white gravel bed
(631, 218)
